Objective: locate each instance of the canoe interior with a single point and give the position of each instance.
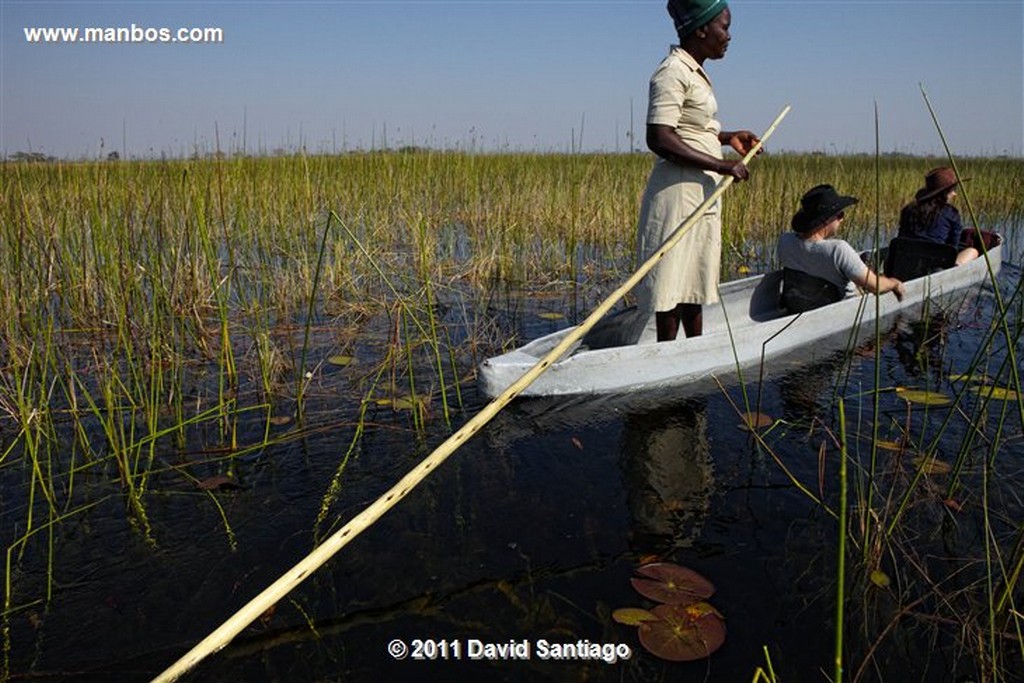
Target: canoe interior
(621, 353)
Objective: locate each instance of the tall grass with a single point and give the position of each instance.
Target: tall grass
(155, 289)
(932, 522)
(150, 308)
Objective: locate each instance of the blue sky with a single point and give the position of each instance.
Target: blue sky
(545, 75)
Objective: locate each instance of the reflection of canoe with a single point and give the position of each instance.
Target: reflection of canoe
(620, 353)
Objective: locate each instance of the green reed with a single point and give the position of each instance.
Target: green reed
(192, 267)
(892, 502)
(841, 549)
(151, 306)
(889, 498)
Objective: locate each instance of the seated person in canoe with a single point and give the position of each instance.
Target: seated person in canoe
(818, 267)
(932, 217)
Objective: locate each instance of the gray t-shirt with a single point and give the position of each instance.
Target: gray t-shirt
(832, 259)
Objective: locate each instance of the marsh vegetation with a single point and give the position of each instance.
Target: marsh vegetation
(168, 329)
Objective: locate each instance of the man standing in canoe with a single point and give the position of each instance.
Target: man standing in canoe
(682, 130)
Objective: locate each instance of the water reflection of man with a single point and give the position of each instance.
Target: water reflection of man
(921, 344)
(668, 475)
(802, 389)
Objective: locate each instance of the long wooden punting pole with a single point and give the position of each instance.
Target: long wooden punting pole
(293, 577)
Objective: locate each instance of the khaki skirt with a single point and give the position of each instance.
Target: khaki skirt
(688, 274)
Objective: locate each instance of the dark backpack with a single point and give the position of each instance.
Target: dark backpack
(804, 292)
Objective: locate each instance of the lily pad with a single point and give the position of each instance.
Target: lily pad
(632, 616)
(682, 634)
(400, 403)
(671, 584)
(700, 609)
(996, 393)
(551, 315)
(403, 403)
(341, 361)
(977, 378)
(880, 578)
(753, 421)
(931, 465)
(218, 482)
(930, 398)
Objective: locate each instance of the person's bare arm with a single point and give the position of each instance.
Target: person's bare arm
(663, 141)
(740, 140)
(880, 284)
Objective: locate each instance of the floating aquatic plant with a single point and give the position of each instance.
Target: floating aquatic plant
(633, 616)
(683, 627)
(683, 634)
(218, 482)
(399, 403)
(671, 584)
(996, 393)
(929, 398)
(929, 464)
(754, 420)
(880, 578)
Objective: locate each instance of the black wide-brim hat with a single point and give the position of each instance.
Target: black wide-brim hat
(818, 205)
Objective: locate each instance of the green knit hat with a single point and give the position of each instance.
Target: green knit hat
(690, 15)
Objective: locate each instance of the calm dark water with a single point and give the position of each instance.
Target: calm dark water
(530, 532)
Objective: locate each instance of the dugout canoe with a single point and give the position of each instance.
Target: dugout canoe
(620, 354)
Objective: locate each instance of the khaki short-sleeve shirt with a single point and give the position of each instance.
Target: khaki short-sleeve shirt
(681, 97)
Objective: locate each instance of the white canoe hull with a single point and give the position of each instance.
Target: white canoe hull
(746, 323)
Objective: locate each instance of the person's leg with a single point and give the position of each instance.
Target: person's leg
(965, 255)
(689, 315)
(692, 319)
(667, 324)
